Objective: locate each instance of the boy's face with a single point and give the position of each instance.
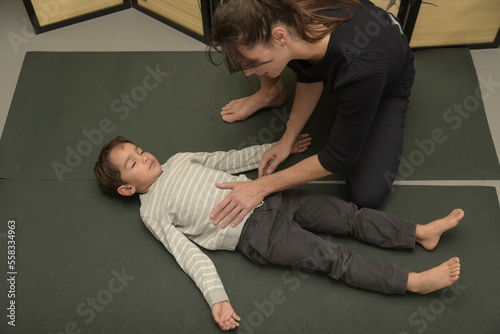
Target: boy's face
(137, 168)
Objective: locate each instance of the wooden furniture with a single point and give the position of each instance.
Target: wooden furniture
(47, 15)
(192, 17)
(430, 23)
(436, 23)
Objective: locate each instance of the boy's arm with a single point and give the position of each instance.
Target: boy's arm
(225, 316)
(203, 272)
(249, 158)
(233, 161)
(191, 259)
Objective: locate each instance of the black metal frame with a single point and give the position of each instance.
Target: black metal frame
(40, 29)
(407, 14)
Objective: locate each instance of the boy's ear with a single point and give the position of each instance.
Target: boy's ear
(126, 190)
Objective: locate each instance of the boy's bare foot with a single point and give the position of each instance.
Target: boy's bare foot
(241, 109)
(428, 235)
(436, 278)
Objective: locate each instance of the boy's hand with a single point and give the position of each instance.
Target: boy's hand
(225, 316)
(301, 144)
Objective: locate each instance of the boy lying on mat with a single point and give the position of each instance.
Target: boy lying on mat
(176, 199)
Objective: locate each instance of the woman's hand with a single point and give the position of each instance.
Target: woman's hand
(244, 197)
(225, 316)
(280, 151)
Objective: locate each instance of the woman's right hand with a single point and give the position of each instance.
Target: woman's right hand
(274, 156)
(280, 151)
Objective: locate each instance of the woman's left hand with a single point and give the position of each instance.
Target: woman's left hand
(244, 197)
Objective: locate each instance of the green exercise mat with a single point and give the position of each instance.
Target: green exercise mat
(67, 105)
(85, 263)
(447, 135)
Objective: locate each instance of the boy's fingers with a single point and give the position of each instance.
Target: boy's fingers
(306, 142)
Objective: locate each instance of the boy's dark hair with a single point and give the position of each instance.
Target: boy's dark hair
(108, 176)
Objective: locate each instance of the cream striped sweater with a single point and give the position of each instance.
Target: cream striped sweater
(177, 206)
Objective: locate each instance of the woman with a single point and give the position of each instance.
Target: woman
(349, 47)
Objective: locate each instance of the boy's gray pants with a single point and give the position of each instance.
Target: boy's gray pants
(280, 232)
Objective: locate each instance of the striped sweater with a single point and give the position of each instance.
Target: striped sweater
(177, 206)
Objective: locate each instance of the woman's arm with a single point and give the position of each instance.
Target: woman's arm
(306, 98)
(247, 195)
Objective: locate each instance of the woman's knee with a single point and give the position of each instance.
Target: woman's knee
(369, 198)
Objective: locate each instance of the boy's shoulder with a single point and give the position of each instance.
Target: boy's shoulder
(172, 159)
(179, 155)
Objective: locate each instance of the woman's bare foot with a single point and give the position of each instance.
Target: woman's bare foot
(436, 278)
(428, 235)
(266, 97)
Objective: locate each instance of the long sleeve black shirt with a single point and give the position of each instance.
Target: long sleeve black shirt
(366, 56)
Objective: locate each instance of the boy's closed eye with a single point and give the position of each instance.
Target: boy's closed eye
(140, 151)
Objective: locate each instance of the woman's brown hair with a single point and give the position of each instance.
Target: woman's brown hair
(246, 23)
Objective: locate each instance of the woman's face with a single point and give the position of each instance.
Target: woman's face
(268, 60)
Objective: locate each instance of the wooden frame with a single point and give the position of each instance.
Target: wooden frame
(391, 6)
(47, 15)
(192, 17)
(436, 23)
(441, 23)
(200, 30)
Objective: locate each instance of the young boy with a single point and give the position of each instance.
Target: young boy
(176, 199)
